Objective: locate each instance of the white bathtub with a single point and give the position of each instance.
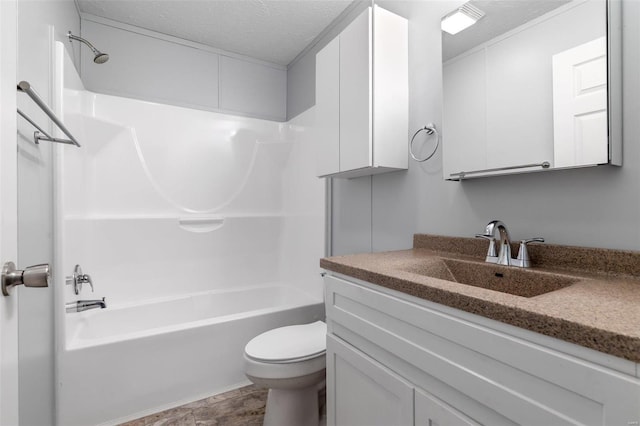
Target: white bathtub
(134, 321)
(129, 361)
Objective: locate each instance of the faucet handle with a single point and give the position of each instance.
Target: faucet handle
(492, 252)
(78, 278)
(523, 260)
(85, 279)
(532, 240)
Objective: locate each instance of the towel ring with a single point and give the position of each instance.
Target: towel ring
(430, 129)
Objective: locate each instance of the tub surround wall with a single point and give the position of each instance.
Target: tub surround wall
(593, 207)
(155, 67)
(597, 311)
(204, 192)
(303, 206)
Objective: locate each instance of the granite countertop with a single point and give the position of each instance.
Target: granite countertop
(599, 309)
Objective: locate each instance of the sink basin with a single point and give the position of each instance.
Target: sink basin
(505, 279)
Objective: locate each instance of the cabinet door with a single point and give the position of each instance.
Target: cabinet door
(355, 94)
(430, 411)
(362, 392)
(328, 109)
(391, 89)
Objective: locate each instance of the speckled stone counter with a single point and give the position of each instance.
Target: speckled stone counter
(599, 310)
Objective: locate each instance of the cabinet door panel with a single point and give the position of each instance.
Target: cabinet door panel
(355, 94)
(328, 108)
(390, 88)
(361, 392)
(432, 412)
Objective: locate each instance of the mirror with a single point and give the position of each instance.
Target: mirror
(533, 85)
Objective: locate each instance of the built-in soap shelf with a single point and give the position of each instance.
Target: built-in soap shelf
(201, 224)
(185, 216)
(196, 223)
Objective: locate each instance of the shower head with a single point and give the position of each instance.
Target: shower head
(99, 57)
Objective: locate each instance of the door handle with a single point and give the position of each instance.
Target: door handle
(32, 276)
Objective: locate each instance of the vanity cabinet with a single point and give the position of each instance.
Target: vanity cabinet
(362, 97)
(418, 362)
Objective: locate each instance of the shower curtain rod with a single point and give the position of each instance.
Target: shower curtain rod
(25, 87)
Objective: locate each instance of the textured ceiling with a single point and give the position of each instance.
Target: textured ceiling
(274, 31)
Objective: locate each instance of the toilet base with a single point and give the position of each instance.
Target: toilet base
(292, 407)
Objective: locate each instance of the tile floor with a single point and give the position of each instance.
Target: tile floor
(239, 407)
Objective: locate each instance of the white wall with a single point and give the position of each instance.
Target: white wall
(596, 207)
(151, 66)
(35, 31)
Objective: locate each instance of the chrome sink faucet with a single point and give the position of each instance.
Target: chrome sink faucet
(85, 305)
(502, 254)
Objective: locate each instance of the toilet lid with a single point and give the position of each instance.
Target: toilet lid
(289, 343)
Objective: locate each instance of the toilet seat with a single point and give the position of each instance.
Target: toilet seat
(289, 344)
(291, 362)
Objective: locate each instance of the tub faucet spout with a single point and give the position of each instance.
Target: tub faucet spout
(84, 305)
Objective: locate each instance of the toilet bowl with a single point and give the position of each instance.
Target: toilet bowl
(289, 361)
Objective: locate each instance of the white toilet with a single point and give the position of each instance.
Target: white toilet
(291, 362)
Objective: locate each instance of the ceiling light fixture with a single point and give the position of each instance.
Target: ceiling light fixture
(461, 18)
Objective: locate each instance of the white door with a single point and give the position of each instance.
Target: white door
(8, 213)
(580, 129)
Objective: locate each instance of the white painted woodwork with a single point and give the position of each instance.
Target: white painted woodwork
(580, 105)
(363, 392)
(373, 97)
(328, 109)
(390, 89)
(484, 370)
(355, 93)
(430, 411)
(9, 413)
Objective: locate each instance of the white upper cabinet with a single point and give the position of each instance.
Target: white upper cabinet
(328, 108)
(362, 98)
